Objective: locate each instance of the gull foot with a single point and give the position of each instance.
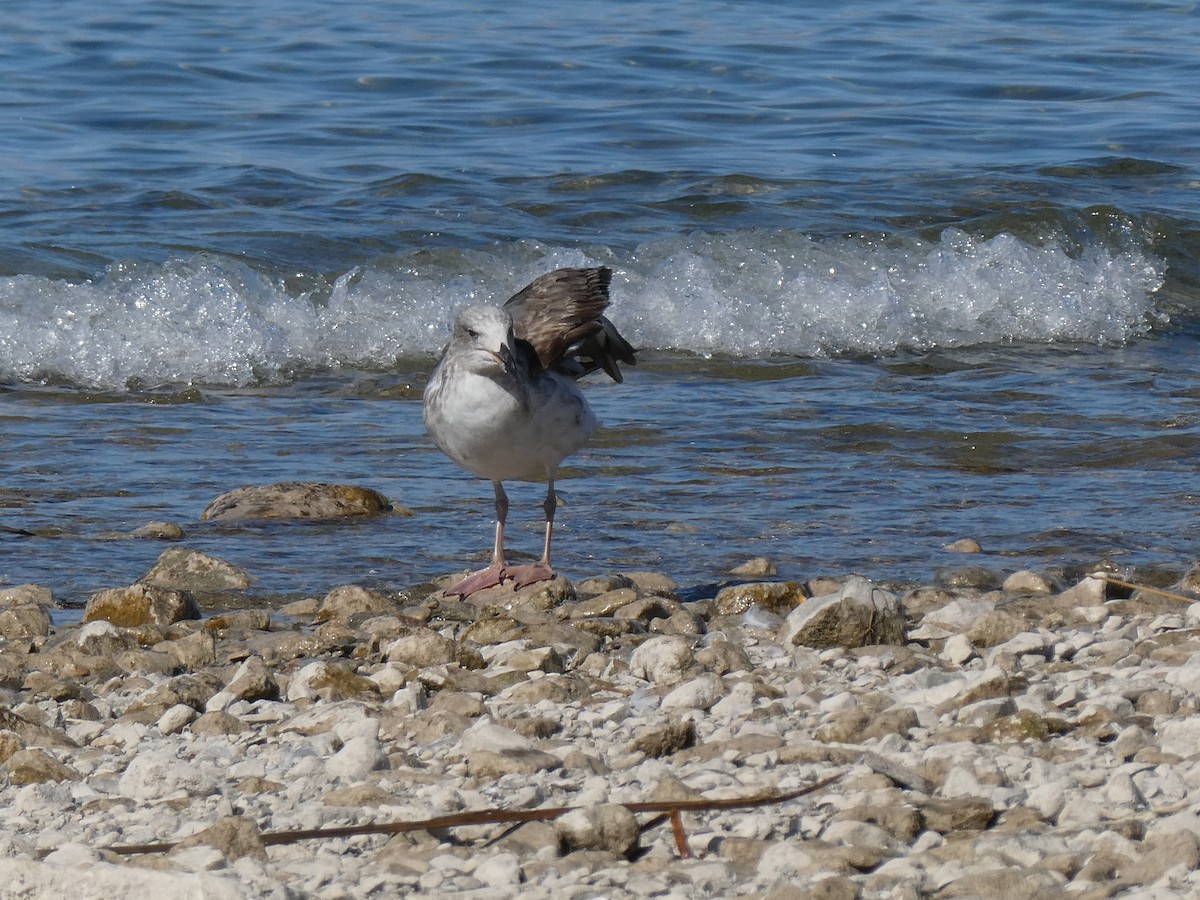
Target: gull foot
(523, 576)
(477, 581)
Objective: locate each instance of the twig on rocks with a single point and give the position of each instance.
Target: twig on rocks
(667, 809)
(1183, 598)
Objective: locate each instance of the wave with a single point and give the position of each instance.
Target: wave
(210, 319)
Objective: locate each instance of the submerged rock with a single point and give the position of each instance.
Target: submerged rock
(296, 500)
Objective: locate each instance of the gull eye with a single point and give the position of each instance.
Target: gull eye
(472, 333)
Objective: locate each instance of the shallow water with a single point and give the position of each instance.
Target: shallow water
(903, 273)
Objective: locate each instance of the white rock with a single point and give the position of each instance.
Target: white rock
(959, 615)
(487, 735)
(1089, 592)
(300, 684)
(501, 870)
(958, 650)
(1028, 581)
(1047, 800)
(961, 782)
(740, 699)
(155, 773)
(1187, 675)
(103, 881)
(662, 660)
(699, 693)
(1080, 811)
(358, 758)
(1179, 736)
(782, 860)
(176, 718)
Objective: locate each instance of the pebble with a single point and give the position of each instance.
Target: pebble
(992, 737)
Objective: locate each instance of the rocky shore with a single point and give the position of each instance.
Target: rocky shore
(1019, 738)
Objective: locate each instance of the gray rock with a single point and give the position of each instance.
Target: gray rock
(181, 569)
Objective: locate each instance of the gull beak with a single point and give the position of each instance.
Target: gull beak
(507, 360)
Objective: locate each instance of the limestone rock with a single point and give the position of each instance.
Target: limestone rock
(609, 827)
(139, 604)
(234, 836)
(663, 660)
(856, 615)
(512, 761)
(963, 545)
(349, 600)
(22, 594)
(421, 648)
(29, 620)
(296, 500)
(664, 741)
(158, 531)
(758, 567)
(182, 569)
(31, 766)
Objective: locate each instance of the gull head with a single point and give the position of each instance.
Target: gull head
(482, 339)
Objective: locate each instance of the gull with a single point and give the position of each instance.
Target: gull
(502, 401)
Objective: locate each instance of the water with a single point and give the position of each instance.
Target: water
(902, 272)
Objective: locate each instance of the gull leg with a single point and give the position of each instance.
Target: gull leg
(542, 571)
(495, 572)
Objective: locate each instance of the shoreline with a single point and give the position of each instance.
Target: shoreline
(986, 742)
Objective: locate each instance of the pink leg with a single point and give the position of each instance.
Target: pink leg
(495, 571)
(542, 571)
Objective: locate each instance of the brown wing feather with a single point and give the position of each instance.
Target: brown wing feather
(559, 309)
(559, 316)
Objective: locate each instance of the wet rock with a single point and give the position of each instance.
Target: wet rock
(963, 545)
(604, 604)
(158, 531)
(181, 569)
(779, 597)
(979, 578)
(1028, 582)
(139, 604)
(758, 567)
(856, 615)
(296, 500)
(608, 827)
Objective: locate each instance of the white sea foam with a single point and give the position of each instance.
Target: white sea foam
(213, 320)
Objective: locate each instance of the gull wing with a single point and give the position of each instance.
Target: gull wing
(559, 315)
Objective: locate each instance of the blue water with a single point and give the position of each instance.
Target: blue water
(902, 272)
